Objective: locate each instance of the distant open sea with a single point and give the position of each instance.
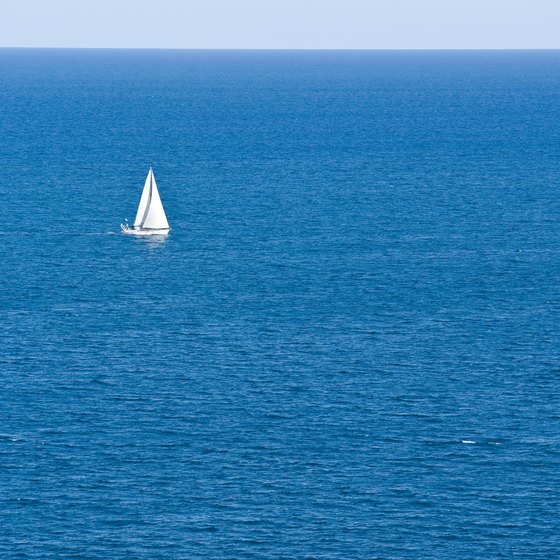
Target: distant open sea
(347, 348)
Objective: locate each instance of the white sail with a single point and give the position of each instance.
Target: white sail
(150, 213)
(143, 200)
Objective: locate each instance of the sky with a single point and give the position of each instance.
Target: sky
(281, 24)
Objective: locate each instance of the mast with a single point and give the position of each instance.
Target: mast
(150, 175)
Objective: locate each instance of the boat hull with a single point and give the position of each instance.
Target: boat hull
(143, 231)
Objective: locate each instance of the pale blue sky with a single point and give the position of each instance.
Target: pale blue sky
(305, 24)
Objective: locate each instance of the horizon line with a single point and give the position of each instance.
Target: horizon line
(296, 49)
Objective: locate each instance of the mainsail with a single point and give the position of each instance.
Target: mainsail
(150, 213)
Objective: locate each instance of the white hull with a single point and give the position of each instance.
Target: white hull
(131, 231)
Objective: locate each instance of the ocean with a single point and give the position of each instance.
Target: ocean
(348, 346)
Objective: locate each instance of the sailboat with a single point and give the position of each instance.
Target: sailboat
(150, 218)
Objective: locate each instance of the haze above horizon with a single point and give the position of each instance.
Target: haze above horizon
(276, 24)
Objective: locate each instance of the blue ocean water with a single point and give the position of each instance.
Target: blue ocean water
(348, 346)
